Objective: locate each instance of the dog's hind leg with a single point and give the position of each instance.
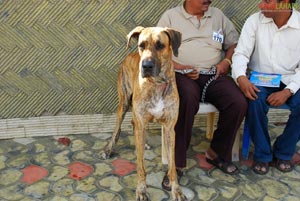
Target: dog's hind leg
(124, 104)
(116, 133)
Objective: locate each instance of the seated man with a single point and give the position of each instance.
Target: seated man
(206, 32)
(270, 43)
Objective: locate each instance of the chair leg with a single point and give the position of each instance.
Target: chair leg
(210, 122)
(236, 147)
(246, 141)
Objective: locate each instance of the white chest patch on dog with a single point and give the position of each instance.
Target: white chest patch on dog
(157, 110)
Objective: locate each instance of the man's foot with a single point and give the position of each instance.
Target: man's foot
(283, 165)
(260, 167)
(226, 166)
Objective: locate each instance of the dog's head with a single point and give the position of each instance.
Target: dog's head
(156, 46)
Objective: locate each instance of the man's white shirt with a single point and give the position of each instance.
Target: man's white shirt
(264, 48)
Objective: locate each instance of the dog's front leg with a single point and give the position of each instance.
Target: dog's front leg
(170, 142)
(140, 139)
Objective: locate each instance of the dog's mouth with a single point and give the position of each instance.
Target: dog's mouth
(149, 73)
(146, 74)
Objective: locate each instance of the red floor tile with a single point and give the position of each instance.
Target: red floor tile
(202, 162)
(247, 162)
(64, 140)
(33, 173)
(296, 159)
(123, 167)
(79, 170)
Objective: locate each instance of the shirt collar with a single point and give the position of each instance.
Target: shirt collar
(293, 22)
(208, 13)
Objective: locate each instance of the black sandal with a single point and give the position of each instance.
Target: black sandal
(223, 165)
(279, 163)
(258, 166)
(166, 182)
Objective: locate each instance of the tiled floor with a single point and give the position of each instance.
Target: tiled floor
(71, 168)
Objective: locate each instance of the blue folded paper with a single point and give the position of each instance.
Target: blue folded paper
(265, 79)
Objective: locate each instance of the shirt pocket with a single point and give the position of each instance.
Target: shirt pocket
(288, 57)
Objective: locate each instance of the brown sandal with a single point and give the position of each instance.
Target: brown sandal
(258, 166)
(283, 165)
(166, 182)
(223, 165)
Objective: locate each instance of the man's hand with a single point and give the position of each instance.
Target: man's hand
(279, 98)
(247, 88)
(223, 68)
(194, 75)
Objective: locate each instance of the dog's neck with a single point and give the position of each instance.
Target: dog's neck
(161, 84)
(164, 85)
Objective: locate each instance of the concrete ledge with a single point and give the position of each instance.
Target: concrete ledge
(89, 124)
(60, 125)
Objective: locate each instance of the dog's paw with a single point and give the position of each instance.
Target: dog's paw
(147, 146)
(142, 197)
(180, 198)
(106, 154)
(141, 192)
(177, 194)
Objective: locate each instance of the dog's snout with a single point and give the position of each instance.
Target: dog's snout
(149, 68)
(148, 64)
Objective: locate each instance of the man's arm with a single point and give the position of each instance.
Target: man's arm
(229, 44)
(223, 67)
(245, 47)
(241, 57)
(294, 84)
(279, 98)
(229, 52)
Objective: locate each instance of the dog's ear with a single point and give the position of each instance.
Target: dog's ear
(134, 34)
(175, 40)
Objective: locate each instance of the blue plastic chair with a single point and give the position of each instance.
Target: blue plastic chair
(246, 135)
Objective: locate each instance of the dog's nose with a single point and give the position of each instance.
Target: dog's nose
(148, 64)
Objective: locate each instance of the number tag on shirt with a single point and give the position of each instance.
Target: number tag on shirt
(217, 36)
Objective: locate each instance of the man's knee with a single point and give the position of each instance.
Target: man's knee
(260, 101)
(240, 104)
(243, 103)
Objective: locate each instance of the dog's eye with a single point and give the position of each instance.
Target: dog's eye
(142, 46)
(159, 46)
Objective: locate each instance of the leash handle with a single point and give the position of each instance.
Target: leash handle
(212, 71)
(184, 71)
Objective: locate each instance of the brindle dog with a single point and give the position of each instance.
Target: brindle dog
(146, 81)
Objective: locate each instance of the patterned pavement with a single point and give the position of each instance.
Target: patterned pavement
(70, 168)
